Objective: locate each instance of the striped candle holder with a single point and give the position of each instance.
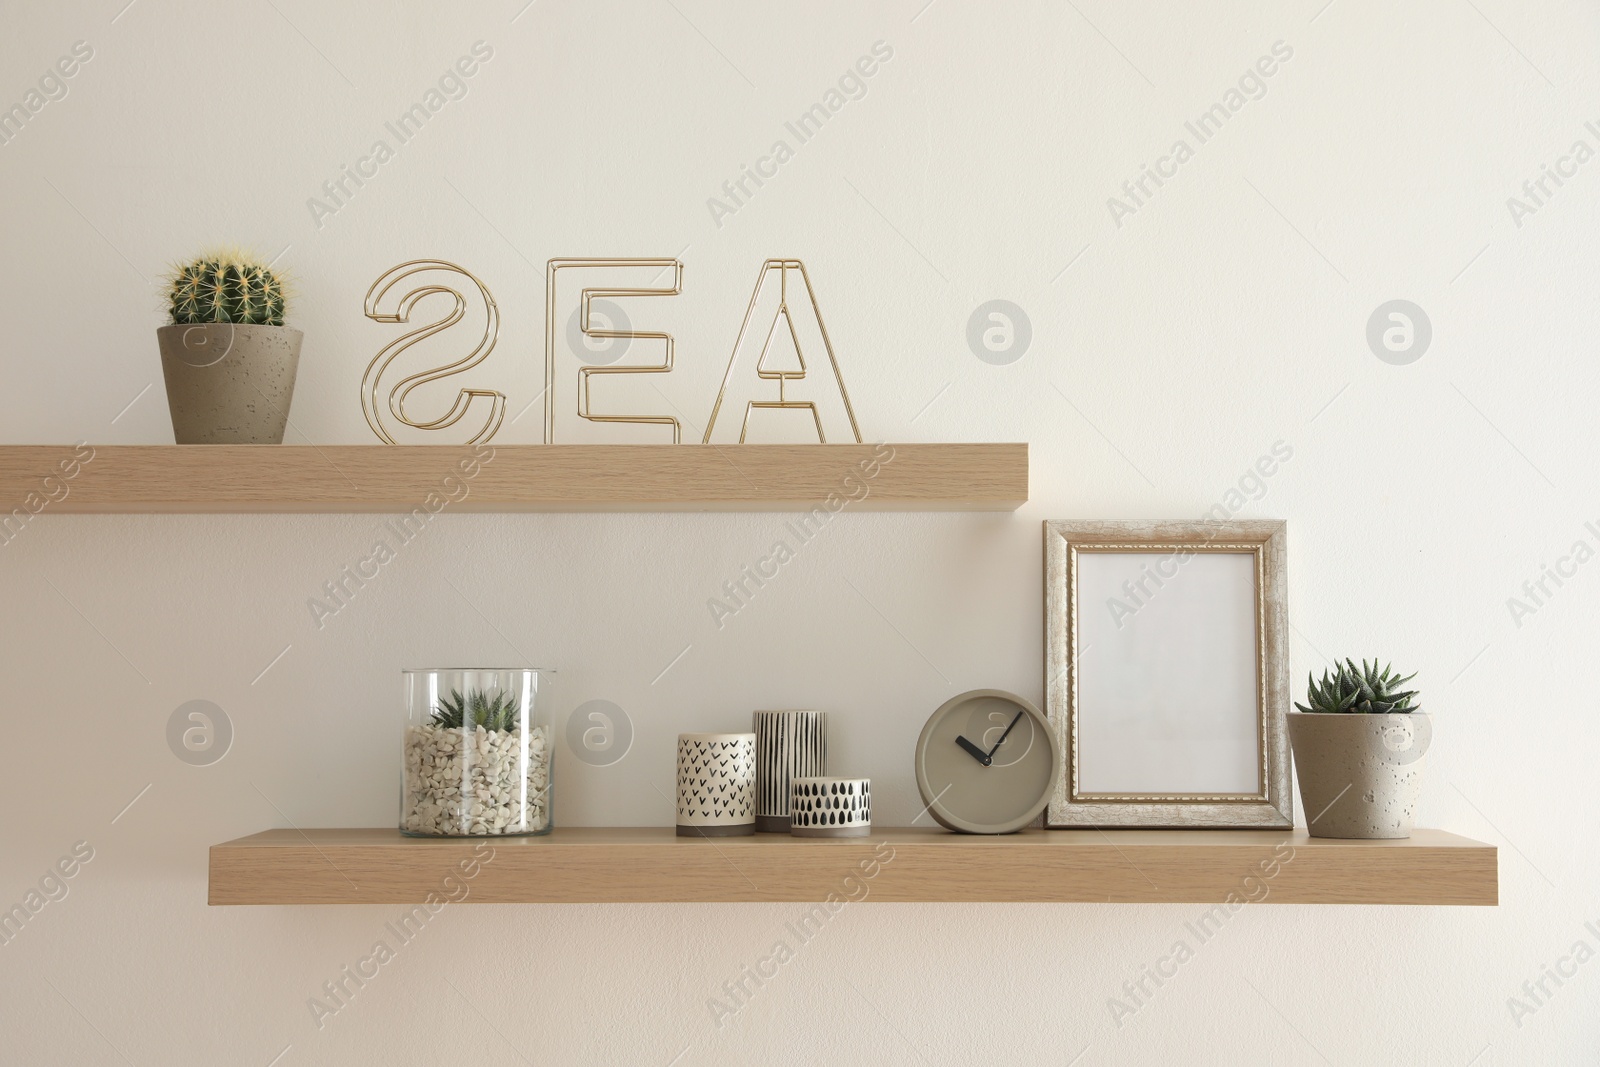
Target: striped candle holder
(789, 744)
(830, 807)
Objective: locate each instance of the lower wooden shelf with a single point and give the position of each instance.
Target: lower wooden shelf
(649, 865)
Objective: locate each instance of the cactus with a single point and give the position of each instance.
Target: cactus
(1363, 690)
(226, 287)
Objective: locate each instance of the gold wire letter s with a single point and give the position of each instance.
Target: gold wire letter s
(371, 381)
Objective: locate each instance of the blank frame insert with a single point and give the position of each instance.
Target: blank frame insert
(1167, 667)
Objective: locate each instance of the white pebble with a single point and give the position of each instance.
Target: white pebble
(482, 783)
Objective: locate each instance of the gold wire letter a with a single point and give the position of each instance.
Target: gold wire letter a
(773, 325)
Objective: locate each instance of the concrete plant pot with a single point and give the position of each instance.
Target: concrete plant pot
(228, 384)
(1360, 775)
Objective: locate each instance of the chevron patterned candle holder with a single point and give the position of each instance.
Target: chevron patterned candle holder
(716, 785)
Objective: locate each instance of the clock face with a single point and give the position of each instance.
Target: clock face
(987, 762)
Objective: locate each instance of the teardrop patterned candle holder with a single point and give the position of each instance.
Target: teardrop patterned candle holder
(830, 807)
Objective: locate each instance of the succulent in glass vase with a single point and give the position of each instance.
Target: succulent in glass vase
(1360, 690)
(476, 762)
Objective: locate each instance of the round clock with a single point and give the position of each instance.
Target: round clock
(987, 763)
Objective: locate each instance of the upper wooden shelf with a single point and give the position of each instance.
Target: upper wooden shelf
(399, 478)
(619, 865)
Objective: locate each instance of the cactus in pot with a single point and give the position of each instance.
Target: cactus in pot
(1359, 745)
(227, 357)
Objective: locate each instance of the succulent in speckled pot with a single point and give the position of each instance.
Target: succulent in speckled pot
(1360, 742)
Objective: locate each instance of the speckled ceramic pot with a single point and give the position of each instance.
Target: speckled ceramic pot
(1360, 775)
(227, 384)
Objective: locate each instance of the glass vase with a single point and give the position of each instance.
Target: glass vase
(476, 753)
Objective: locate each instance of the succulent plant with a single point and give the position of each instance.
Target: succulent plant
(480, 709)
(226, 287)
(1359, 690)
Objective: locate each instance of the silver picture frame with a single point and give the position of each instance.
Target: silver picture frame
(1227, 630)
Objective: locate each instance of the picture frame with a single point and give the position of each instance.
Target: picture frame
(1167, 675)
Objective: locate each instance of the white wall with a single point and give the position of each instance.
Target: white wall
(1226, 315)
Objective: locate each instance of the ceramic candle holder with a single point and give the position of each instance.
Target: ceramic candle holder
(716, 785)
(830, 807)
(789, 744)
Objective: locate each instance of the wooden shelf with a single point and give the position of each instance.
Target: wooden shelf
(619, 865)
(399, 478)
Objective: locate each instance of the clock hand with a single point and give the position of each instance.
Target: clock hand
(1002, 740)
(974, 751)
